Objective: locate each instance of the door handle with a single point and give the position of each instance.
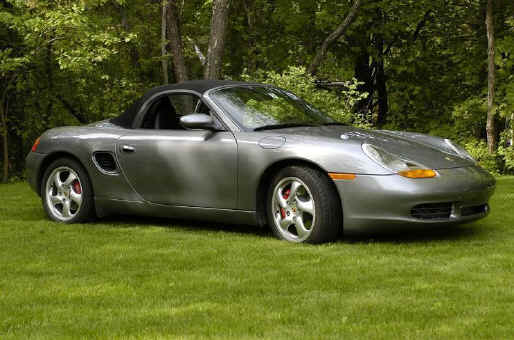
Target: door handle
(128, 148)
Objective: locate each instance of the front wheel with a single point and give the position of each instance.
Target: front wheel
(66, 192)
(303, 206)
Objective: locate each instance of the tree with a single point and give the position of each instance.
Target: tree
(164, 57)
(10, 65)
(220, 9)
(335, 35)
(175, 42)
(490, 129)
(4, 109)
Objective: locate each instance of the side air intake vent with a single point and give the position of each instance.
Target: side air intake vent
(432, 211)
(105, 162)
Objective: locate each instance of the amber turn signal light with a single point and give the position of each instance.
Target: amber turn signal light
(418, 173)
(35, 145)
(335, 175)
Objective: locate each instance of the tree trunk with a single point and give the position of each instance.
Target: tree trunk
(490, 129)
(132, 49)
(363, 74)
(175, 42)
(199, 53)
(339, 31)
(50, 80)
(164, 57)
(73, 110)
(123, 14)
(512, 130)
(380, 84)
(421, 24)
(383, 105)
(220, 9)
(249, 6)
(3, 116)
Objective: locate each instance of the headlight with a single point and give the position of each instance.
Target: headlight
(458, 150)
(396, 164)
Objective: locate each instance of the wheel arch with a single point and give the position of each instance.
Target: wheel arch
(54, 156)
(267, 176)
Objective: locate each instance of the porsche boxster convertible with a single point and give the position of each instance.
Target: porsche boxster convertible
(235, 152)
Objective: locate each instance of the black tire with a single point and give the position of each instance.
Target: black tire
(86, 211)
(328, 221)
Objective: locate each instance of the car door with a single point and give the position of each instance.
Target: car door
(167, 164)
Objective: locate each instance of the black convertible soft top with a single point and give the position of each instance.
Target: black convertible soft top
(199, 86)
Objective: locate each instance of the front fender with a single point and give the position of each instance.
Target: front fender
(327, 154)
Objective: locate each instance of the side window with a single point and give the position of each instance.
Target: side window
(184, 104)
(164, 112)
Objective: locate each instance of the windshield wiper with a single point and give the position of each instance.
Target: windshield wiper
(281, 126)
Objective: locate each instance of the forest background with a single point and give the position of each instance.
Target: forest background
(443, 67)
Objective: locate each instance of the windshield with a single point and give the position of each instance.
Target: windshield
(261, 107)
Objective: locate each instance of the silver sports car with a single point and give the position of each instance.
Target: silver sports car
(255, 154)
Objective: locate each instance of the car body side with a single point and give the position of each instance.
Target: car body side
(254, 158)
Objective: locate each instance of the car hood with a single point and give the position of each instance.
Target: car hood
(418, 148)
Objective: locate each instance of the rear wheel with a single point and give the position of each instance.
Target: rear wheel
(66, 192)
(303, 206)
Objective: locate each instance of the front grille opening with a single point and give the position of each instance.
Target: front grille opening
(432, 211)
(474, 210)
(105, 161)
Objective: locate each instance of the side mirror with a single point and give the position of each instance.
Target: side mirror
(197, 121)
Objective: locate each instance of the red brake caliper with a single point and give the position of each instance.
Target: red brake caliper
(76, 187)
(286, 196)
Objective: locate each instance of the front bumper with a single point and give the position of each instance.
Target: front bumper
(374, 203)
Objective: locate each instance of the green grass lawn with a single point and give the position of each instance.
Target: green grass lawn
(139, 278)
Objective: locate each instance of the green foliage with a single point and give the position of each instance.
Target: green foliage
(9, 63)
(336, 104)
(506, 150)
(72, 61)
(79, 39)
(479, 151)
(469, 117)
(507, 153)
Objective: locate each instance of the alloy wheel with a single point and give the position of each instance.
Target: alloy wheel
(293, 209)
(64, 193)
